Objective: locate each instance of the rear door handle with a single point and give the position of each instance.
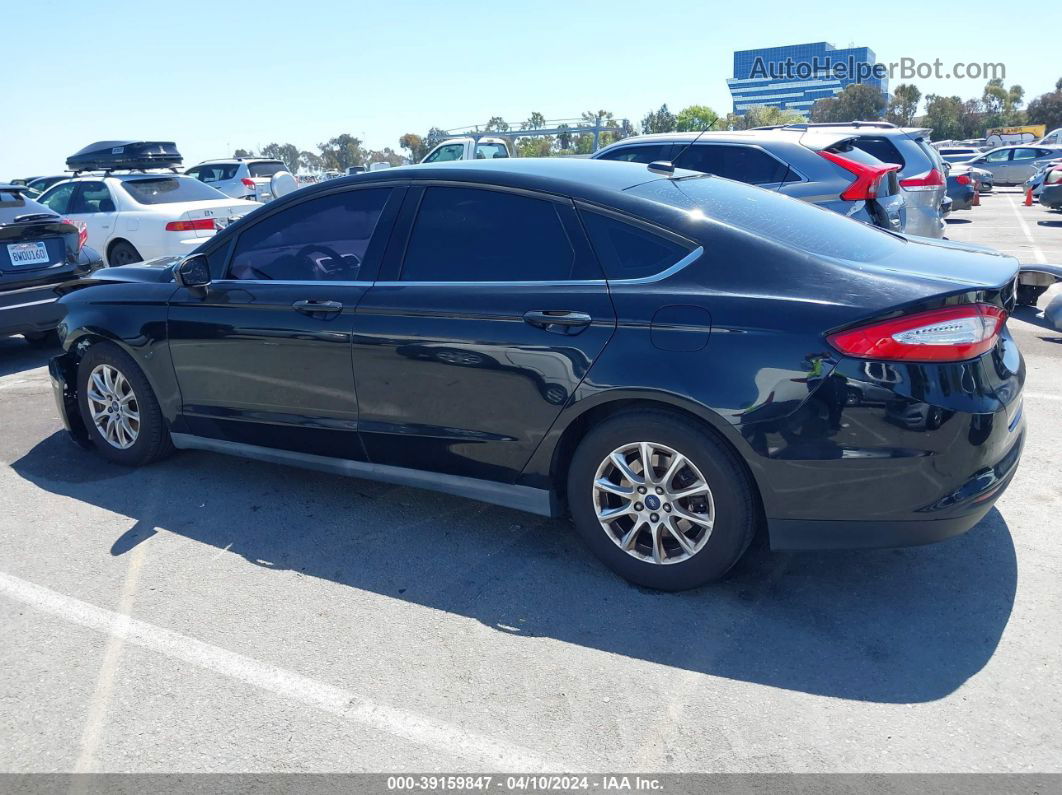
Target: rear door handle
(313, 307)
(561, 321)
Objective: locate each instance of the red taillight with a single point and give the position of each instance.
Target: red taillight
(963, 179)
(190, 226)
(867, 178)
(248, 183)
(82, 232)
(939, 335)
(927, 181)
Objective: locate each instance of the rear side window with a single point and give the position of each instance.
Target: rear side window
(490, 151)
(627, 251)
(649, 153)
(213, 172)
(882, 148)
(323, 239)
(473, 235)
(741, 163)
(999, 156)
(167, 190)
(265, 169)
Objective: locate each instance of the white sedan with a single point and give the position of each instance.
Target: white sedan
(142, 215)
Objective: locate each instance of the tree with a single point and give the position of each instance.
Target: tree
(903, 105)
(1046, 109)
(762, 116)
(311, 162)
(945, 116)
(415, 145)
(536, 121)
(564, 136)
(858, 102)
(342, 152)
(288, 154)
(385, 155)
(243, 153)
(535, 146)
(434, 137)
(496, 124)
(695, 118)
(661, 121)
(1002, 105)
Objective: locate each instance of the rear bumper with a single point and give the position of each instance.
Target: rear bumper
(1051, 196)
(30, 310)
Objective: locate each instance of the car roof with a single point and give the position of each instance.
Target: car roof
(238, 160)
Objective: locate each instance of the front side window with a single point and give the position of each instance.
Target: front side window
(444, 153)
(323, 239)
(650, 153)
(627, 251)
(473, 235)
(58, 198)
(167, 190)
(92, 197)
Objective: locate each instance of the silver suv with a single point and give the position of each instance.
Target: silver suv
(922, 178)
(239, 177)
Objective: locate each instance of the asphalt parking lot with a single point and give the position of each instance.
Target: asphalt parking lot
(214, 614)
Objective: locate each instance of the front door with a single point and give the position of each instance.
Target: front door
(262, 356)
(93, 204)
(492, 312)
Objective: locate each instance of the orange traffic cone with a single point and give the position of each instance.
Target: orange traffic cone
(1028, 198)
(977, 197)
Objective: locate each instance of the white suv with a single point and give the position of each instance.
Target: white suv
(143, 214)
(239, 177)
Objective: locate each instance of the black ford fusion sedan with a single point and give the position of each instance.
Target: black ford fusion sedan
(676, 361)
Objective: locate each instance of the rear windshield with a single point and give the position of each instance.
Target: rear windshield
(791, 222)
(266, 169)
(166, 190)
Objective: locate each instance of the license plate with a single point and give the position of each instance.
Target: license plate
(28, 253)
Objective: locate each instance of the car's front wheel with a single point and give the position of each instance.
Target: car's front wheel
(660, 500)
(119, 407)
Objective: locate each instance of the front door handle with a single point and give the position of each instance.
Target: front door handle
(316, 308)
(560, 321)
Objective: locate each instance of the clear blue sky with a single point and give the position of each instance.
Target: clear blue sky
(213, 76)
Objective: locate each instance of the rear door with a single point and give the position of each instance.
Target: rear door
(262, 356)
(490, 311)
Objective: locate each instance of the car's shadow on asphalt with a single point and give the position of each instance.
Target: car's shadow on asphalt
(1033, 316)
(896, 626)
(953, 221)
(16, 355)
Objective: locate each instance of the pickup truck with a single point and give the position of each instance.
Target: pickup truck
(467, 149)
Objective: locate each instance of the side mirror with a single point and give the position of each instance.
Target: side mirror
(192, 271)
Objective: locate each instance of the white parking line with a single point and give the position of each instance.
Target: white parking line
(447, 738)
(1041, 396)
(1040, 258)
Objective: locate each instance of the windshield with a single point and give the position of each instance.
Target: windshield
(167, 190)
(764, 213)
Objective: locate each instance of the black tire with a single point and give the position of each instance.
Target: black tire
(1029, 294)
(736, 508)
(122, 253)
(153, 438)
(44, 339)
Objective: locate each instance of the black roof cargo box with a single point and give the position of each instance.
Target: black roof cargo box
(111, 155)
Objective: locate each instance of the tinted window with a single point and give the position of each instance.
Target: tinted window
(166, 190)
(471, 235)
(882, 148)
(775, 217)
(322, 239)
(742, 163)
(626, 251)
(451, 152)
(648, 153)
(58, 198)
(92, 197)
(213, 172)
(267, 169)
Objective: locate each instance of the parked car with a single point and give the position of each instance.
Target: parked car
(921, 172)
(239, 177)
(821, 167)
(1035, 183)
(133, 213)
(38, 250)
(1051, 194)
(957, 154)
(984, 179)
(1012, 165)
(1053, 138)
(466, 148)
(41, 184)
(720, 398)
(962, 187)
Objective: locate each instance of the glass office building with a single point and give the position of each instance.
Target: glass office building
(797, 75)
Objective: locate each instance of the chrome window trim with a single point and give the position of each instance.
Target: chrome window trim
(547, 283)
(322, 282)
(689, 259)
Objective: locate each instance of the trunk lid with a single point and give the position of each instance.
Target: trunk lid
(222, 211)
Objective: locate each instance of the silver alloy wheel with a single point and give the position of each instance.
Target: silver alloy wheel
(653, 503)
(113, 406)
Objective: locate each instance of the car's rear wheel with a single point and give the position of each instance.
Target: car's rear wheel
(123, 253)
(661, 501)
(119, 407)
